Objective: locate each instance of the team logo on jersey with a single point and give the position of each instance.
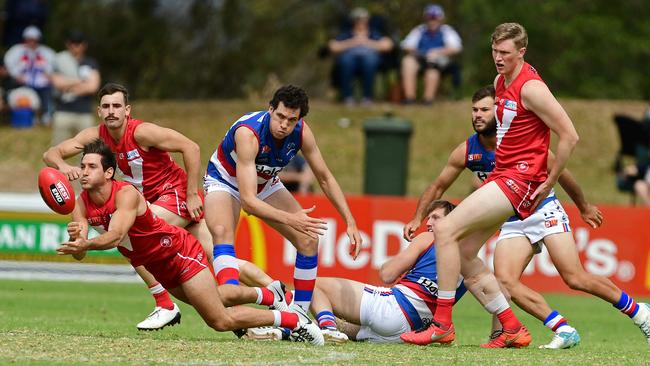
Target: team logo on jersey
(512, 185)
(133, 154)
(522, 166)
(473, 157)
(291, 147)
(166, 241)
(550, 223)
(265, 149)
(121, 156)
(268, 170)
(510, 104)
(526, 203)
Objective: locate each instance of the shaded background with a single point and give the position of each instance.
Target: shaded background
(235, 48)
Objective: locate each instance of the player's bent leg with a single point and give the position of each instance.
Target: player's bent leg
(510, 259)
(307, 257)
(165, 312)
(562, 250)
(252, 275)
(221, 216)
(564, 255)
(341, 296)
(485, 208)
(200, 231)
(201, 291)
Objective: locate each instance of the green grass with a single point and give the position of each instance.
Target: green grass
(437, 130)
(67, 323)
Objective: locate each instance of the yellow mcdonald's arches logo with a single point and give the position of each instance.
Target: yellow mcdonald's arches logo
(258, 240)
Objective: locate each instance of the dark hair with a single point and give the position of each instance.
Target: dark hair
(292, 97)
(98, 146)
(448, 206)
(112, 88)
(484, 92)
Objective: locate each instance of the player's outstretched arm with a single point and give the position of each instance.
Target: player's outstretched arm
(166, 139)
(55, 156)
(537, 98)
(330, 187)
(126, 203)
(247, 148)
(392, 269)
(78, 227)
(590, 214)
(448, 175)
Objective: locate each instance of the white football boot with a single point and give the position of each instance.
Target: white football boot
(565, 337)
(160, 318)
(306, 331)
(279, 298)
(334, 336)
(642, 320)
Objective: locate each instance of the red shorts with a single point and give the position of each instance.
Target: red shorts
(173, 198)
(518, 193)
(185, 263)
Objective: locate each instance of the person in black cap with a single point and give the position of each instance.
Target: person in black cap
(76, 80)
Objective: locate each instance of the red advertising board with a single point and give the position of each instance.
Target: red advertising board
(619, 250)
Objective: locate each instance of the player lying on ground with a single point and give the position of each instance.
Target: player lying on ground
(520, 240)
(171, 254)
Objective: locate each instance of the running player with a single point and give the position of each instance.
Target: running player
(520, 240)
(143, 157)
(525, 110)
(176, 258)
(243, 173)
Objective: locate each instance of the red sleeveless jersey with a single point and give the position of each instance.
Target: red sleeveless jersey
(151, 172)
(522, 137)
(149, 239)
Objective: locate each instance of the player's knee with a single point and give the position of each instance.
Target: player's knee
(222, 323)
(307, 246)
(576, 281)
(443, 232)
(220, 233)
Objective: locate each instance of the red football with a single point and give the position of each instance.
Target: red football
(56, 190)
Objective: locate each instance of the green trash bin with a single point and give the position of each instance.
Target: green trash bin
(387, 150)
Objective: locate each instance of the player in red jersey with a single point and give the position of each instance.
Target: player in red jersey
(526, 111)
(143, 156)
(171, 254)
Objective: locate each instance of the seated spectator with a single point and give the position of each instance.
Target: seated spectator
(634, 176)
(297, 176)
(76, 79)
(358, 52)
(30, 64)
(429, 46)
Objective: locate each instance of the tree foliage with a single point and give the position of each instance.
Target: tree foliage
(234, 48)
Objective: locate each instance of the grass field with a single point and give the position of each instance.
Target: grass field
(70, 323)
(437, 130)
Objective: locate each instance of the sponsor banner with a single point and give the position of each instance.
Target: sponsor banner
(30, 235)
(619, 250)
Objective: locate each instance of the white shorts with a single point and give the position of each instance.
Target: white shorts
(382, 320)
(549, 219)
(211, 184)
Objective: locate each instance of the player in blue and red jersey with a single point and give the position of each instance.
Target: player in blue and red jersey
(243, 173)
(381, 314)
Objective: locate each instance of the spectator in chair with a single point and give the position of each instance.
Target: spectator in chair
(297, 177)
(429, 46)
(358, 52)
(30, 64)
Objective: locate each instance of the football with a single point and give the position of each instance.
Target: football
(56, 191)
